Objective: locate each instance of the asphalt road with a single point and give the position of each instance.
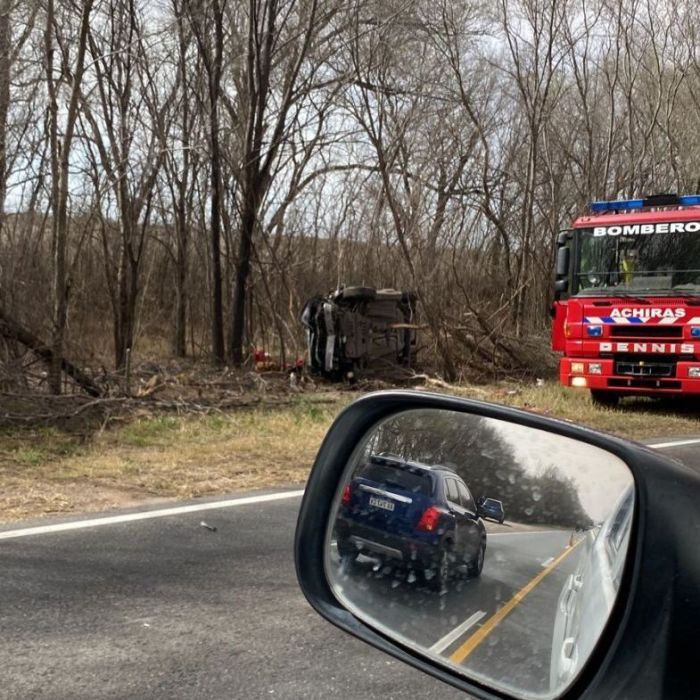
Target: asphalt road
(518, 651)
(166, 608)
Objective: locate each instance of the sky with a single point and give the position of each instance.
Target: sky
(600, 476)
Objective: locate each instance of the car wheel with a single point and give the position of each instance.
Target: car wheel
(604, 399)
(477, 564)
(501, 521)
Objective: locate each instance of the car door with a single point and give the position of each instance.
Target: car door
(471, 532)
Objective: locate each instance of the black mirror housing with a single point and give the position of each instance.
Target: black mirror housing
(647, 648)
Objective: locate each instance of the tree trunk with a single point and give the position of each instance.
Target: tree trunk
(218, 346)
(180, 333)
(245, 249)
(60, 174)
(217, 330)
(5, 39)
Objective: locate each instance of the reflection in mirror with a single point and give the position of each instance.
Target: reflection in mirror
(494, 548)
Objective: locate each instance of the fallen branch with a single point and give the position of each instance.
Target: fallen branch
(9, 328)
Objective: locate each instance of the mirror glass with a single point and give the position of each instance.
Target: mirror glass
(494, 548)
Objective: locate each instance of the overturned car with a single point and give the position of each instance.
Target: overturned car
(354, 330)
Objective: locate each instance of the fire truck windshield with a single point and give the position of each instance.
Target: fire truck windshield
(653, 263)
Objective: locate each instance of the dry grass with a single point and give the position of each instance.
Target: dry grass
(152, 458)
(148, 458)
(636, 418)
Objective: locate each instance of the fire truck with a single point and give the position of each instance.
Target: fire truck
(626, 311)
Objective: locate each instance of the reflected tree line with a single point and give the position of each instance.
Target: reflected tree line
(486, 462)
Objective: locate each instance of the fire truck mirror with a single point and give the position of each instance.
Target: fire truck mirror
(562, 264)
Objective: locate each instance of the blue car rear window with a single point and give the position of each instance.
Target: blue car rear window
(413, 480)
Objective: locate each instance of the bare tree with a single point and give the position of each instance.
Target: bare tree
(207, 22)
(126, 92)
(280, 39)
(60, 149)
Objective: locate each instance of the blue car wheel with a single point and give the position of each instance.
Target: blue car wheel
(477, 563)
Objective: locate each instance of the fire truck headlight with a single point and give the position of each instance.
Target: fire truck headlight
(595, 368)
(579, 382)
(695, 332)
(595, 331)
(577, 368)
(694, 372)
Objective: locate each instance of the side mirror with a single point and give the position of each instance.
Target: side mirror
(563, 262)
(594, 574)
(561, 284)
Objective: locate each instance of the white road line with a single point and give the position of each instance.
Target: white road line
(548, 561)
(677, 443)
(148, 515)
(456, 633)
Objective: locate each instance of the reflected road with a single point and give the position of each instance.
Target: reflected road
(478, 622)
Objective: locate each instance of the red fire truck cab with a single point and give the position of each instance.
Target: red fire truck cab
(626, 314)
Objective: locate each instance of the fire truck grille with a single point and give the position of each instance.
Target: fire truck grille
(642, 368)
(642, 330)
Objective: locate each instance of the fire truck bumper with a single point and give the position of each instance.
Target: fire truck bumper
(600, 374)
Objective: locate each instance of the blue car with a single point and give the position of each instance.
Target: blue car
(416, 515)
(491, 508)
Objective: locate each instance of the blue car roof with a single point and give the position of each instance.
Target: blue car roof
(395, 460)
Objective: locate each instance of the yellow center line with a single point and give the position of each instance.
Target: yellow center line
(473, 642)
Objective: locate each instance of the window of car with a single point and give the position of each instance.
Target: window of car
(415, 480)
(492, 503)
(615, 537)
(451, 491)
(465, 498)
(621, 522)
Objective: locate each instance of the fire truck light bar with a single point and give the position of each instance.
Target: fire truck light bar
(619, 205)
(689, 200)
